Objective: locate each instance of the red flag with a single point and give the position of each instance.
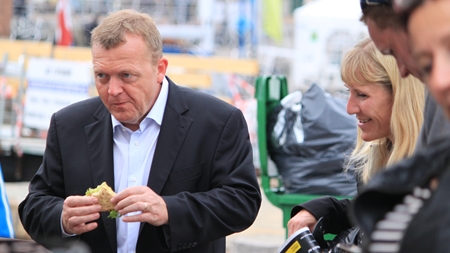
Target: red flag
(64, 23)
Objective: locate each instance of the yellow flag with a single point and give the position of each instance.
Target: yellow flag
(272, 19)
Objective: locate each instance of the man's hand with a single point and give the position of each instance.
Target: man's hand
(78, 214)
(300, 220)
(141, 199)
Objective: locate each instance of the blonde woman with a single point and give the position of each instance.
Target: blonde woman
(389, 110)
(363, 69)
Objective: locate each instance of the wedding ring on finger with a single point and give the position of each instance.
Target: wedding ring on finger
(145, 207)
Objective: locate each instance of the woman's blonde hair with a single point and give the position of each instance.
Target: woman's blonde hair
(112, 30)
(365, 64)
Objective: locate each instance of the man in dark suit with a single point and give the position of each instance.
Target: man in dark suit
(180, 160)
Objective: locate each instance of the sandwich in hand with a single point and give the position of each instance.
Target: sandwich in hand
(104, 193)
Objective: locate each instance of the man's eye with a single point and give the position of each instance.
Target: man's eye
(387, 52)
(100, 75)
(426, 70)
(126, 75)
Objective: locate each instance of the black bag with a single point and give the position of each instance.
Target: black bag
(309, 137)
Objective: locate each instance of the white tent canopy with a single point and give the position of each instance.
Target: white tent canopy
(324, 31)
(334, 9)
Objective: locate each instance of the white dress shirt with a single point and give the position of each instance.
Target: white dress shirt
(133, 156)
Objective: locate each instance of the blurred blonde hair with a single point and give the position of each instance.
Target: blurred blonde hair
(112, 30)
(365, 64)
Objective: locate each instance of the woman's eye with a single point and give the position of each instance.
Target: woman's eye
(361, 95)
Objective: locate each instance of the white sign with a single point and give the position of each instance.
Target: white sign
(52, 85)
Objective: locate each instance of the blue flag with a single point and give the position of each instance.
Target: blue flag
(6, 225)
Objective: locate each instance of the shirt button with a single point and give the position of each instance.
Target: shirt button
(136, 143)
(133, 179)
(124, 129)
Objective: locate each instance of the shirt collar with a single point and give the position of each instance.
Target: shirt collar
(157, 111)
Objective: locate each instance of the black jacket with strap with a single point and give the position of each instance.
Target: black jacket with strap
(429, 229)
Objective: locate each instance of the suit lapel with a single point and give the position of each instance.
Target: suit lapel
(174, 128)
(100, 148)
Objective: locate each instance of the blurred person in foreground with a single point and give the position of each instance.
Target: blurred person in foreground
(389, 112)
(388, 32)
(406, 208)
(180, 160)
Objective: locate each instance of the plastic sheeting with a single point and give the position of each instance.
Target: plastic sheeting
(310, 136)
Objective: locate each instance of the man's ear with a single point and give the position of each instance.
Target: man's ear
(162, 68)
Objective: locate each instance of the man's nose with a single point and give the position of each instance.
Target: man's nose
(404, 71)
(114, 86)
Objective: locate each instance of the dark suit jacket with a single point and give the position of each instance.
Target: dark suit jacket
(203, 168)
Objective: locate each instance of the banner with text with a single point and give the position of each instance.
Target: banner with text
(52, 85)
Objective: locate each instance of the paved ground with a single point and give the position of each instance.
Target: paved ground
(265, 235)
(16, 193)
